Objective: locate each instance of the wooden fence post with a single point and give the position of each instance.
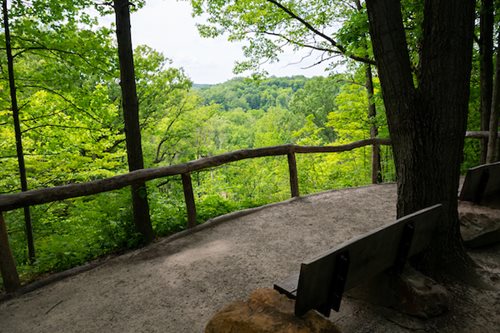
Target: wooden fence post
(189, 198)
(7, 263)
(294, 178)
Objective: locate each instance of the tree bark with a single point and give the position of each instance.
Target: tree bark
(131, 117)
(294, 176)
(17, 131)
(495, 113)
(486, 68)
(187, 186)
(427, 123)
(7, 263)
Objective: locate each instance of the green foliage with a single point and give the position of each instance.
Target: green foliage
(250, 94)
(214, 205)
(75, 231)
(317, 98)
(166, 205)
(350, 121)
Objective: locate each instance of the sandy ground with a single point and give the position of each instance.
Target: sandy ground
(177, 285)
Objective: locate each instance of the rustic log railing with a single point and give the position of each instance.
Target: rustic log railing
(478, 134)
(41, 196)
(57, 193)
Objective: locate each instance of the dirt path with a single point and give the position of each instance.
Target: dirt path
(176, 285)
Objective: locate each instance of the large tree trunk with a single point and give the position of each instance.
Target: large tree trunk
(17, 131)
(131, 117)
(486, 68)
(495, 113)
(427, 123)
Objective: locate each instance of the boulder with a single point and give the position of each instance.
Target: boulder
(411, 293)
(267, 311)
(419, 295)
(479, 226)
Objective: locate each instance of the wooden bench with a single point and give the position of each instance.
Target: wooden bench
(481, 183)
(322, 280)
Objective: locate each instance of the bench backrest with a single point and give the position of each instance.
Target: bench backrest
(323, 279)
(481, 182)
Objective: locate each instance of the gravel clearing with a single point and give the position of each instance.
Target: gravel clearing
(176, 285)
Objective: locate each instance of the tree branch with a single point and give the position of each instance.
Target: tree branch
(58, 50)
(59, 126)
(162, 141)
(321, 34)
(320, 61)
(115, 144)
(309, 46)
(43, 116)
(65, 99)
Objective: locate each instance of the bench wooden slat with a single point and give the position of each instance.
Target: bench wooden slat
(493, 184)
(288, 286)
(481, 182)
(368, 255)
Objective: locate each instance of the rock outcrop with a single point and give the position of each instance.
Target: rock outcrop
(419, 295)
(411, 293)
(479, 225)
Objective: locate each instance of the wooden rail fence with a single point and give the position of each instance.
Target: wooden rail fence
(41, 196)
(57, 193)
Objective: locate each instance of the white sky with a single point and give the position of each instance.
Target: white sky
(168, 27)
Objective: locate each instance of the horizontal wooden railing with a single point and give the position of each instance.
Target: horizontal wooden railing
(57, 193)
(478, 134)
(46, 195)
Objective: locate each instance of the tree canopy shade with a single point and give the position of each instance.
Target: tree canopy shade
(427, 119)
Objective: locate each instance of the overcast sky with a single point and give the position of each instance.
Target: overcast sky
(167, 26)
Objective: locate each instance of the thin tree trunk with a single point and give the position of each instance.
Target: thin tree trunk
(17, 131)
(427, 124)
(372, 114)
(486, 69)
(131, 117)
(495, 113)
